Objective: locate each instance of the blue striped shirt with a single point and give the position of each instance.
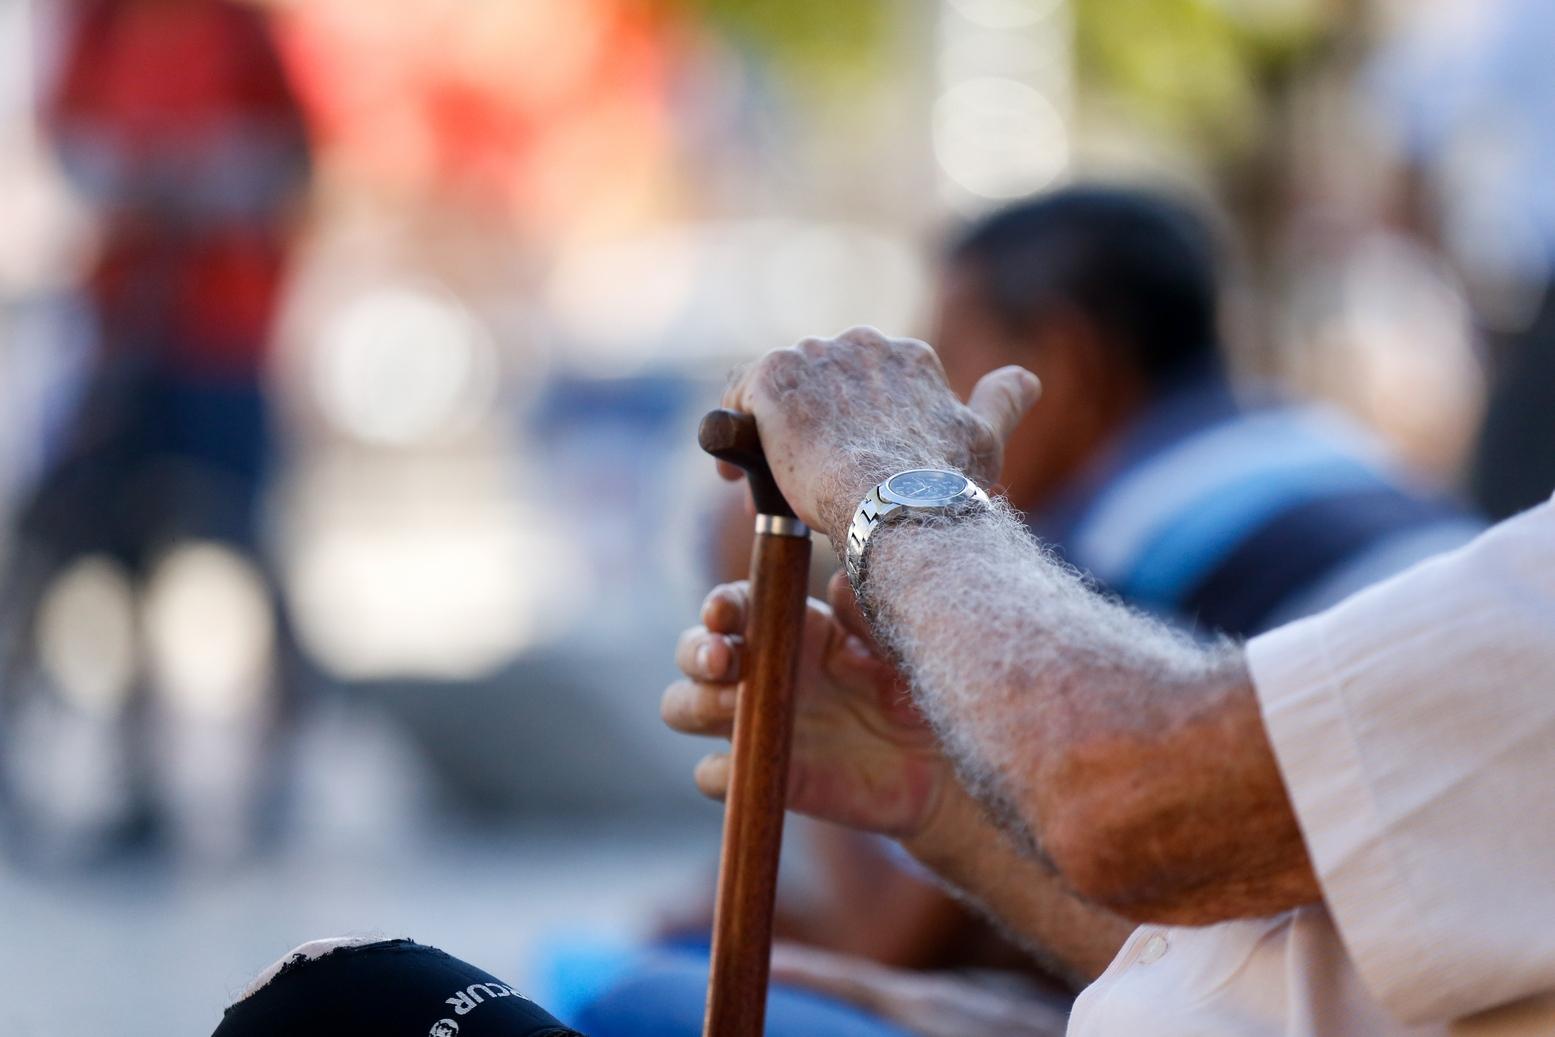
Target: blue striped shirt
(1231, 515)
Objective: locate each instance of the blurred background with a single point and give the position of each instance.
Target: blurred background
(351, 354)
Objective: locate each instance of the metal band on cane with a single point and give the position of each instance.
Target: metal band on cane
(781, 526)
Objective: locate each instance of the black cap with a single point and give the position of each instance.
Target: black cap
(391, 988)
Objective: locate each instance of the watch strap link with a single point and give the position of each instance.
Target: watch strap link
(876, 509)
(872, 510)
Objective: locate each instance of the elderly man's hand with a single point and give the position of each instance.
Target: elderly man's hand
(862, 754)
(839, 415)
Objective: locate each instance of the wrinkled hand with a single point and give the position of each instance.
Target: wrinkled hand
(839, 415)
(862, 754)
(926, 1003)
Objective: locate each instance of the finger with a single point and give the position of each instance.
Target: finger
(712, 775)
(733, 473)
(839, 594)
(736, 385)
(699, 709)
(723, 610)
(846, 978)
(706, 656)
(1002, 398)
(775, 368)
(857, 655)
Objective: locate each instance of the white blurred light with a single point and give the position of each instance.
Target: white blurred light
(822, 279)
(1004, 14)
(999, 138)
(1411, 332)
(1027, 57)
(708, 292)
(209, 631)
(86, 635)
(18, 70)
(404, 365)
(449, 594)
(618, 299)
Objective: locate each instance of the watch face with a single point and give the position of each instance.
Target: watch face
(925, 486)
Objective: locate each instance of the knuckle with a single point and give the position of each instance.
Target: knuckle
(781, 370)
(685, 647)
(722, 594)
(736, 663)
(783, 358)
(863, 335)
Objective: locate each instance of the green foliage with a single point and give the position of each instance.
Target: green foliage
(1191, 67)
(836, 41)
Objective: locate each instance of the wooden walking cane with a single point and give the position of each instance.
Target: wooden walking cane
(763, 728)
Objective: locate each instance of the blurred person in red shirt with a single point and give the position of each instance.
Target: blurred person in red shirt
(175, 122)
(175, 119)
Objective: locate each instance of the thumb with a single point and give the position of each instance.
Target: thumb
(839, 595)
(1003, 397)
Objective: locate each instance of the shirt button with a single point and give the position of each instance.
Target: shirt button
(1154, 949)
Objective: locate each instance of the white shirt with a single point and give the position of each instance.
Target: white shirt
(1414, 725)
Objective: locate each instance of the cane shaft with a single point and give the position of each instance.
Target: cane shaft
(763, 726)
(758, 785)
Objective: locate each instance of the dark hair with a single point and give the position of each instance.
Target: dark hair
(1139, 265)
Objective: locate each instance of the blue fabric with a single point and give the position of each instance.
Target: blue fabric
(1196, 402)
(1196, 541)
(573, 972)
(1165, 515)
(662, 993)
(1350, 540)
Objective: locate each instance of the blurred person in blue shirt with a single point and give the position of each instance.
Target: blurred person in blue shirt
(1227, 508)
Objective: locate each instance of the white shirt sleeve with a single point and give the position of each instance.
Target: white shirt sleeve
(1414, 725)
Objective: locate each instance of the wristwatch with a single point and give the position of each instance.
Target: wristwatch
(917, 492)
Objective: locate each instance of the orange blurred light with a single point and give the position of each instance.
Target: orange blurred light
(549, 109)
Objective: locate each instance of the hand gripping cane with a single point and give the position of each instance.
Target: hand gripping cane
(763, 727)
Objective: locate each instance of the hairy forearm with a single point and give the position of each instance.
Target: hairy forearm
(1128, 757)
(1023, 896)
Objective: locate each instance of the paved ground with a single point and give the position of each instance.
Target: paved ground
(156, 948)
(140, 952)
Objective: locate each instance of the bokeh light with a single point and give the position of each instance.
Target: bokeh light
(999, 138)
(401, 364)
(209, 631)
(87, 634)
